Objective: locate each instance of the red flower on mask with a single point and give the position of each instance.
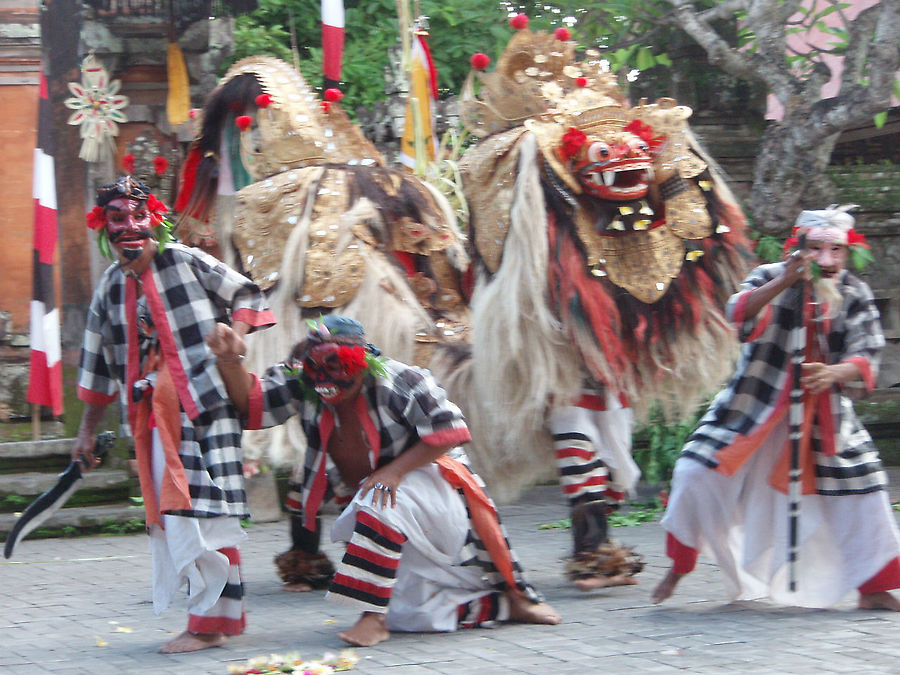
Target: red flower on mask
(96, 220)
(572, 141)
(855, 238)
(156, 209)
(645, 133)
(353, 358)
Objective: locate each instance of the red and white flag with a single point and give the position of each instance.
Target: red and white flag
(332, 42)
(45, 378)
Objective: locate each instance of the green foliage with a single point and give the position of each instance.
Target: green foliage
(769, 248)
(658, 444)
(634, 513)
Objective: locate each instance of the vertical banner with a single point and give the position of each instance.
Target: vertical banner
(332, 42)
(419, 144)
(45, 378)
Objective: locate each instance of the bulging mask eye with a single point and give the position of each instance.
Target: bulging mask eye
(598, 152)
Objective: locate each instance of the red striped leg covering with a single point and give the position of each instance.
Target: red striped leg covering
(368, 570)
(484, 612)
(887, 579)
(582, 475)
(227, 615)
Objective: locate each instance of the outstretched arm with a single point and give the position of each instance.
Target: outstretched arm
(84, 443)
(229, 347)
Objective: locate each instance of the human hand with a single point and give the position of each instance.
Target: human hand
(798, 266)
(225, 343)
(817, 377)
(384, 484)
(83, 451)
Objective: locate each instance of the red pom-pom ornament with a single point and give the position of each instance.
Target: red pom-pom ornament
(160, 164)
(128, 163)
(580, 81)
(480, 61)
(243, 122)
(333, 94)
(519, 21)
(562, 34)
(263, 101)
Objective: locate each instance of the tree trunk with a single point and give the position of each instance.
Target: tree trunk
(789, 173)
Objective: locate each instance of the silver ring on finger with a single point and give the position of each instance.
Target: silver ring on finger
(379, 486)
(800, 269)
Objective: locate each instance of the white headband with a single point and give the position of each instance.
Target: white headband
(831, 224)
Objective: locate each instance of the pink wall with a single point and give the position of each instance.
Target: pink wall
(801, 42)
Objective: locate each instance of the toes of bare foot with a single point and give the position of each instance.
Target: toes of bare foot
(297, 588)
(192, 642)
(367, 632)
(591, 583)
(883, 600)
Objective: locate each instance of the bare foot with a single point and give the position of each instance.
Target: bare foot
(192, 642)
(883, 600)
(368, 631)
(523, 610)
(590, 583)
(666, 587)
(299, 587)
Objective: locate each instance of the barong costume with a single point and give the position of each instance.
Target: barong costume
(729, 488)
(150, 350)
(440, 559)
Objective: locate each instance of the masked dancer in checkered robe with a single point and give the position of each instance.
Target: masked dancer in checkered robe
(426, 551)
(144, 341)
(729, 488)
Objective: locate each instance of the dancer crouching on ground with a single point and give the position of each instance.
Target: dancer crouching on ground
(426, 551)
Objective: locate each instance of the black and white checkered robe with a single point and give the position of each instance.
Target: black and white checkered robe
(406, 405)
(764, 373)
(187, 292)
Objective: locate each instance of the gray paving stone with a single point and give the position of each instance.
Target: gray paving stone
(59, 597)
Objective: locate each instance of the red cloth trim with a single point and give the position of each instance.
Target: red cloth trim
(592, 402)
(216, 624)
(386, 531)
(293, 504)
(45, 382)
(364, 586)
(254, 404)
(317, 492)
(95, 397)
(133, 366)
(592, 481)
(361, 407)
(377, 558)
(684, 558)
(233, 554)
(615, 494)
(484, 613)
(254, 317)
(865, 370)
(888, 578)
(167, 344)
(448, 436)
(580, 453)
(740, 307)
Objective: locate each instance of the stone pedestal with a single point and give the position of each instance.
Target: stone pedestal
(262, 498)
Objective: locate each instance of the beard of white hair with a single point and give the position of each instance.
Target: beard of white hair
(827, 292)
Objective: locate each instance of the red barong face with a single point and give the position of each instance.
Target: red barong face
(615, 167)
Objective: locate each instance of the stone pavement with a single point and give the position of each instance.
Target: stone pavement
(82, 606)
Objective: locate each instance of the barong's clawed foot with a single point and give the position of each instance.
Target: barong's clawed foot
(883, 600)
(591, 583)
(523, 610)
(666, 587)
(192, 642)
(367, 632)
